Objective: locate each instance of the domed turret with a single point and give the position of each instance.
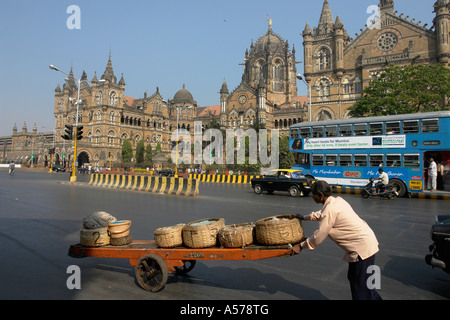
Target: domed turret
(183, 96)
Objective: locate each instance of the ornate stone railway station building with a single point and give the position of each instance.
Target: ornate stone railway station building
(336, 69)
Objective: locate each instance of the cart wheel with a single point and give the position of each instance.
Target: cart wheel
(151, 272)
(188, 266)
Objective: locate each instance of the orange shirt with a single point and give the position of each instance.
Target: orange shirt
(338, 221)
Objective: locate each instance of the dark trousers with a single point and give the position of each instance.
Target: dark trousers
(357, 275)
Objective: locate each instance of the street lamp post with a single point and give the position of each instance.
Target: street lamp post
(73, 177)
(176, 155)
(299, 76)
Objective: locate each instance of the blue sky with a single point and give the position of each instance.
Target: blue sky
(162, 44)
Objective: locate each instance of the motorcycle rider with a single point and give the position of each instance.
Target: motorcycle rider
(383, 181)
(12, 166)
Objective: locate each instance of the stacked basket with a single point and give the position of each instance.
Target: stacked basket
(169, 237)
(202, 233)
(271, 231)
(119, 232)
(196, 234)
(94, 231)
(237, 235)
(279, 230)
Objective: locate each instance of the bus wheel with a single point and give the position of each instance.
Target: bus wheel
(400, 187)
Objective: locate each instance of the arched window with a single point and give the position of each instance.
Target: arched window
(113, 98)
(324, 115)
(111, 136)
(323, 60)
(278, 75)
(259, 71)
(323, 89)
(98, 134)
(112, 116)
(99, 115)
(99, 98)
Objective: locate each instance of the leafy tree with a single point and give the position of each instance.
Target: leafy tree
(127, 151)
(158, 148)
(148, 154)
(405, 89)
(287, 158)
(140, 152)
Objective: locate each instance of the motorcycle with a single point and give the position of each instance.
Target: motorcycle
(440, 249)
(389, 191)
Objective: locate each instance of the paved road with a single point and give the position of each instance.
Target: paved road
(41, 214)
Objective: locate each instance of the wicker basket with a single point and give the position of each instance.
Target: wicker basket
(122, 241)
(202, 233)
(119, 229)
(169, 237)
(94, 237)
(237, 235)
(279, 230)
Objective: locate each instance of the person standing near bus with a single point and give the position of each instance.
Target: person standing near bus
(432, 175)
(340, 222)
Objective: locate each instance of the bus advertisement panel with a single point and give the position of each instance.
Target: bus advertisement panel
(349, 152)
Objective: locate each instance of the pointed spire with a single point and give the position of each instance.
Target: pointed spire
(224, 88)
(109, 71)
(338, 24)
(95, 79)
(307, 30)
(122, 80)
(326, 18)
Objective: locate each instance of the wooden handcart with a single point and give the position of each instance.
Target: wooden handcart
(153, 264)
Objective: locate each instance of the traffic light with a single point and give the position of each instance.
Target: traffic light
(79, 133)
(69, 132)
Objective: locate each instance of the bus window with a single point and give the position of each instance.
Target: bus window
(360, 129)
(376, 129)
(317, 132)
(411, 126)
(376, 160)
(393, 127)
(345, 160)
(393, 160)
(331, 131)
(305, 132)
(411, 160)
(345, 130)
(430, 125)
(317, 159)
(331, 160)
(294, 133)
(360, 160)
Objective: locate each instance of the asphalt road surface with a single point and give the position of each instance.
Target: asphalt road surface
(41, 214)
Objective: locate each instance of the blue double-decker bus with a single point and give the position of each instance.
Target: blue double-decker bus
(349, 152)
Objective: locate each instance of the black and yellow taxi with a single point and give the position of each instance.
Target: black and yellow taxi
(290, 180)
